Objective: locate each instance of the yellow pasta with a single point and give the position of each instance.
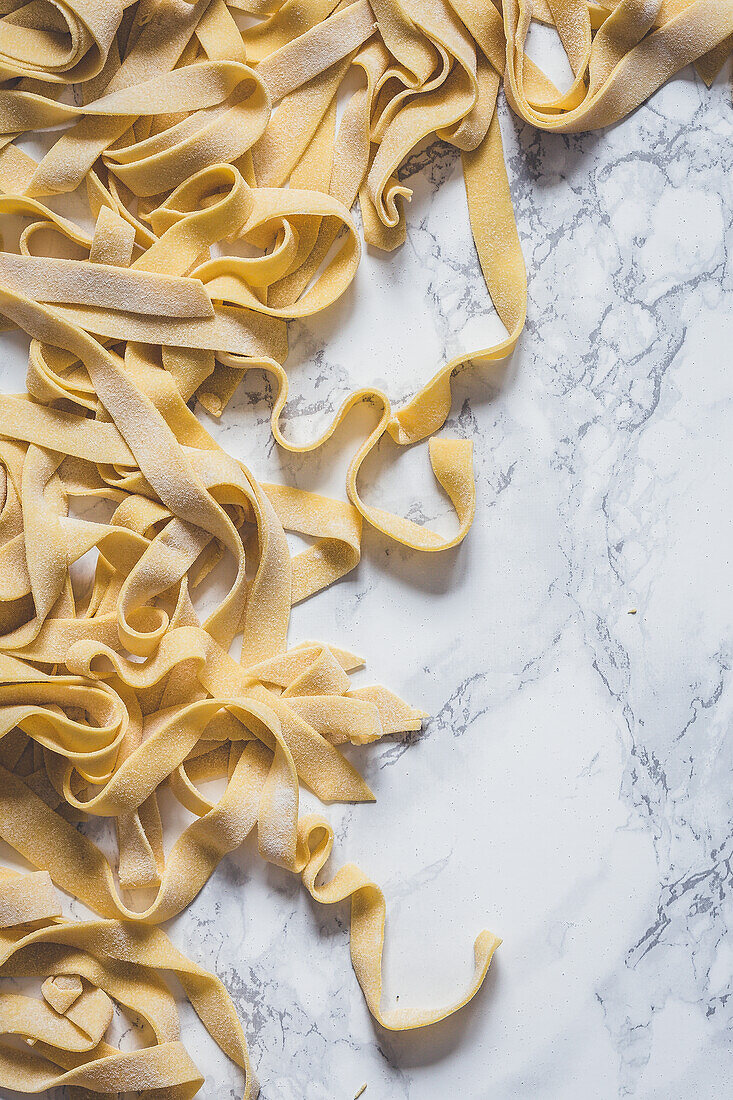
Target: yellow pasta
(88, 967)
(220, 179)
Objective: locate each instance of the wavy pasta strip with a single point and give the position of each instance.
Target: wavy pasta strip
(221, 157)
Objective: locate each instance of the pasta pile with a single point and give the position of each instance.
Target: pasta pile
(220, 150)
(88, 968)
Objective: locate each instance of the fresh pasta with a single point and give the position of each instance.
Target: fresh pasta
(221, 150)
(88, 968)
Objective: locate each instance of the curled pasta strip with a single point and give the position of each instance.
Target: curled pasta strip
(63, 43)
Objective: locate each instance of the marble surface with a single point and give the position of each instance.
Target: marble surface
(572, 791)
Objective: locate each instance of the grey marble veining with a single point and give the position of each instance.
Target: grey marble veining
(572, 790)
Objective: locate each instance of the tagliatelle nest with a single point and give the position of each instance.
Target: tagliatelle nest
(195, 129)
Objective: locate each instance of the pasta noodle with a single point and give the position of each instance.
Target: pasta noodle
(220, 179)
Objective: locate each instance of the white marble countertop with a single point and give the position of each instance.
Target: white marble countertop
(572, 791)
